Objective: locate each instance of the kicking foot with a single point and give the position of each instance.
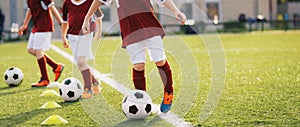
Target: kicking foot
(57, 71)
(87, 93)
(166, 102)
(96, 87)
(41, 83)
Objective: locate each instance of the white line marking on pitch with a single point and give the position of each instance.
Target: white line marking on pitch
(170, 117)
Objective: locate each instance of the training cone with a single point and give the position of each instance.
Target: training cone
(54, 119)
(54, 85)
(50, 104)
(50, 93)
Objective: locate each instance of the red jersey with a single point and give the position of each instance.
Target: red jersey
(74, 13)
(137, 21)
(41, 16)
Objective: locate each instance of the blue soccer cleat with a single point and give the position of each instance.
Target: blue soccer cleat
(166, 102)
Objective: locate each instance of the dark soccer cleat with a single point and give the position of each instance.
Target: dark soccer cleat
(57, 71)
(166, 102)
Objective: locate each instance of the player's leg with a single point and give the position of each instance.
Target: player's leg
(137, 53)
(138, 76)
(35, 47)
(86, 75)
(96, 84)
(56, 67)
(30, 49)
(165, 73)
(156, 52)
(44, 81)
(81, 48)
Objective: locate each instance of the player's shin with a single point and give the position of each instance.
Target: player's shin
(165, 73)
(139, 80)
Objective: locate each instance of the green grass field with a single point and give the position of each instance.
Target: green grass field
(262, 86)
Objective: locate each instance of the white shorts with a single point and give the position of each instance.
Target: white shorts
(154, 46)
(81, 45)
(39, 40)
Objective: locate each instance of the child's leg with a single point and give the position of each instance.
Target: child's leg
(156, 51)
(50, 61)
(44, 81)
(42, 64)
(137, 53)
(56, 68)
(85, 71)
(138, 76)
(94, 79)
(87, 77)
(31, 51)
(165, 73)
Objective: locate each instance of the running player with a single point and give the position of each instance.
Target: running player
(74, 12)
(40, 37)
(141, 31)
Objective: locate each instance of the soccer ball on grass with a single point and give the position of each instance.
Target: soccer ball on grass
(137, 104)
(71, 89)
(13, 76)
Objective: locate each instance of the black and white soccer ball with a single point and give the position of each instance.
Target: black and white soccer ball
(137, 104)
(13, 76)
(71, 89)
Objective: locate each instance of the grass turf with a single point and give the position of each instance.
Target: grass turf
(261, 88)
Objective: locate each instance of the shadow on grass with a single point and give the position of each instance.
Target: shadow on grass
(13, 92)
(245, 123)
(22, 117)
(155, 121)
(6, 88)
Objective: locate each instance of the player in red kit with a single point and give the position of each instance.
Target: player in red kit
(40, 37)
(141, 31)
(74, 12)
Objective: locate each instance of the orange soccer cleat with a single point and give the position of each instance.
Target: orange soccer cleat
(96, 87)
(57, 71)
(41, 83)
(166, 102)
(87, 93)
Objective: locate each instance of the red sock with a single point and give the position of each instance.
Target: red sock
(94, 80)
(43, 68)
(139, 80)
(87, 78)
(165, 73)
(51, 62)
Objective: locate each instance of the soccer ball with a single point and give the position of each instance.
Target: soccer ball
(137, 104)
(13, 76)
(71, 89)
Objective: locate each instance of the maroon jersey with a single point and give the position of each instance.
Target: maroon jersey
(74, 13)
(41, 16)
(137, 21)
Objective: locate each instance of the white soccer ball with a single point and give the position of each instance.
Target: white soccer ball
(71, 89)
(13, 76)
(137, 104)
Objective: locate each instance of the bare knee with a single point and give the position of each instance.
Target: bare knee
(38, 54)
(82, 64)
(31, 51)
(139, 66)
(160, 63)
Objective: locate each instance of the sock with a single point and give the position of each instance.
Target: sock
(94, 80)
(139, 80)
(165, 73)
(43, 69)
(87, 78)
(50, 62)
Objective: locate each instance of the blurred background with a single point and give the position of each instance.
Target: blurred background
(204, 16)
